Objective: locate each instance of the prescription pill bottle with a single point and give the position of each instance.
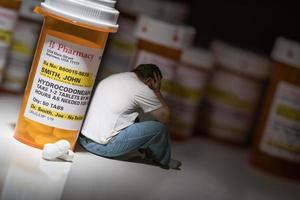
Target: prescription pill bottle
(120, 53)
(166, 10)
(191, 78)
(234, 93)
(64, 69)
(162, 43)
(24, 41)
(277, 142)
(8, 19)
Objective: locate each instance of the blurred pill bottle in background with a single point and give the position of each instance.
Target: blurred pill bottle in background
(64, 69)
(191, 76)
(166, 10)
(277, 143)
(8, 18)
(24, 41)
(234, 93)
(162, 43)
(120, 51)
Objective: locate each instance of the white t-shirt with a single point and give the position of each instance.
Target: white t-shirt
(115, 106)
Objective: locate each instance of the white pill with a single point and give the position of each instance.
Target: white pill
(53, 151)
(63, 145)
(68, 156)
(50, 152)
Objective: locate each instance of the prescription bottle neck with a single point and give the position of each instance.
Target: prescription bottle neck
(286, 72)
(10, 4)
(165, 51)
(78, 24)
(93, 36)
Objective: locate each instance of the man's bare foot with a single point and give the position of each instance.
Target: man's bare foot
(174, 164)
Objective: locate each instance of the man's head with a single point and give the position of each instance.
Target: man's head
(149, 74)
(146, 71)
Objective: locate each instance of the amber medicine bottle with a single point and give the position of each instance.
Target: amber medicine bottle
(162, 43)
(8, 18)
(191, 77)
(277, 143)
(64, 69)
(22, 49)
(119, 55)
(234, 93)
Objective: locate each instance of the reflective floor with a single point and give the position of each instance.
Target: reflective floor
(210, 171)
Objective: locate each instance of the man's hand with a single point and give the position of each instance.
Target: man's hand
(155, 84)
(164, 113)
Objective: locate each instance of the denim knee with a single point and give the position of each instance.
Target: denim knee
(160, 128)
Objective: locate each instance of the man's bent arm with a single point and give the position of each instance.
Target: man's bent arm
(162, 114)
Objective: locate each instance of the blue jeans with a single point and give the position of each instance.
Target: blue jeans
(151, 136)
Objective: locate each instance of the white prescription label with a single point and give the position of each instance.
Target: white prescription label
(281, 137)
(63, 84)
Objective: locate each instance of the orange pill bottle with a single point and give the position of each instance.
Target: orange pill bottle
(234, 93)
(8, 18)
(26, 34)
(162, 43)
(191, 78)
(64, 69)
(120, 53)
(277, 143)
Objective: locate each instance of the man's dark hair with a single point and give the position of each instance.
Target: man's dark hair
(145, 71)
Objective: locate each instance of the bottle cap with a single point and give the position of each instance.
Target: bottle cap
(97, 13)
(166, 34)
(165, 10)
(108, 3)
(287, 52)
(241, 61)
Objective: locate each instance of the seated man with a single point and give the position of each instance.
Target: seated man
(110, 129)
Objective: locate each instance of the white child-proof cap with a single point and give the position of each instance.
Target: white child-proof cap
(97, 13)
(109, 3)
(241, 61)
(287, 52)
(165, 34)
(198, 57)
